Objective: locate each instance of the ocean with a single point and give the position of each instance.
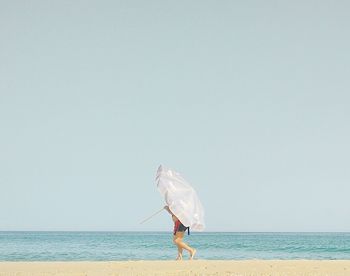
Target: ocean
(114, 246)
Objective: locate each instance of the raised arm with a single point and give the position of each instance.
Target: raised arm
(166, 207)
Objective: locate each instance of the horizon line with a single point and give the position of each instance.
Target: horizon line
(165, 231)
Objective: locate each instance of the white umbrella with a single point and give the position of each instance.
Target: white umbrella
(181, 198)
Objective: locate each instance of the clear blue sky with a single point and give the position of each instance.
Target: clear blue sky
(249, 100)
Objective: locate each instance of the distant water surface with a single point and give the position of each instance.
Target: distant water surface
(108, 246)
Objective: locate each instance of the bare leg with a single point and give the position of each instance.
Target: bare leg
(179, 250)
(179, 253)
(179, 242)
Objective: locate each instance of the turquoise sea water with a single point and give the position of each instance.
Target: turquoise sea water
(98, 246)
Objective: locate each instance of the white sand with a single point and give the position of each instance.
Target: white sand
(183, 268)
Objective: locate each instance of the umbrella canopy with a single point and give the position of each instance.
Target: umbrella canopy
(181, 198)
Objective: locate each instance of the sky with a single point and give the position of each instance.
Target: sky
(248, 100)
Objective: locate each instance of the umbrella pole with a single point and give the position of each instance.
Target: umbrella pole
(156, 213)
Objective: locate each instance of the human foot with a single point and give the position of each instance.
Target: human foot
(179, 257)
(193, 252)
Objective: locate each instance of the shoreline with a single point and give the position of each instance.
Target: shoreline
(188, 268)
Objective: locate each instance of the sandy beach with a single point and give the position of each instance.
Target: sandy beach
(183, 268)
